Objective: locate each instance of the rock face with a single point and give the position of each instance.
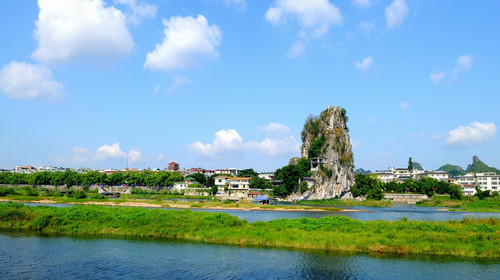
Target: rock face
(326, 142)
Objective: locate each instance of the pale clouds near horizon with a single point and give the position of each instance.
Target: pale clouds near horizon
(187, 43)
(20, 80)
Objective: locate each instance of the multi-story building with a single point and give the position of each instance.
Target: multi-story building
(402, 174)
(438, 175)
(488, 181)
(240, 183)
(173, 166)
(230, 171)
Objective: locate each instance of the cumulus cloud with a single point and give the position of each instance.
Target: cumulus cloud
(20, 80)
(314, 16)
(396, 13)
(475, 134)
(366, 64)
(361, 3)
(78, 30)
(187, 42)
(139, 11)
(436, 77)
(106, 152)
(366, 26)
(229, 144)
(134, 156)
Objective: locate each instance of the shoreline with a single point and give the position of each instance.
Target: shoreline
(478, 237)
(142, 204)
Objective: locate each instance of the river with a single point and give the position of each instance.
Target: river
(27, 256)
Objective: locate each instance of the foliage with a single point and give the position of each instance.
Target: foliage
(316, 145)
(290, 176)
(79, 194)
(247, 173)
(367, 185)
(410, 165)
(259, 183)
(198, 177)
(455, 192)
(467, 237)
(482, 194)
(195, 185)
(453, 170)
(478, 166)
(303, 186)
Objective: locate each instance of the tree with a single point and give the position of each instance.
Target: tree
(214, 189)
(259, 183)
(198, 177)
(247, 173)
(410, 165)
(455, 192)
(369, 186)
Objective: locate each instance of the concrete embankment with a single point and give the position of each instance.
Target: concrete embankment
(405, 198)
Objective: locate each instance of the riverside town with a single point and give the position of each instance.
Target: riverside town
(238, 139)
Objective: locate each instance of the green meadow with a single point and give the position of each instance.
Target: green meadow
(467, 237)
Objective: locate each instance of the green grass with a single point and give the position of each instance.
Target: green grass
(469, 203)
(468, 237)
(347, 202)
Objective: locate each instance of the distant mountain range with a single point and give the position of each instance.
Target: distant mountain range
(477, 166)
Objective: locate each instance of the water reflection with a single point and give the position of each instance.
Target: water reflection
(36, 257)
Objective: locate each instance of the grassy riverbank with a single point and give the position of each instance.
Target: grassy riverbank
(162, 202)
(347, 202)
(468, 203)
(469, 237)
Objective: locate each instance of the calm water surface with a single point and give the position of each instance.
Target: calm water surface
(36, 257)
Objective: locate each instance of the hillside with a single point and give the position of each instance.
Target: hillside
(453, 170)
(478, 166)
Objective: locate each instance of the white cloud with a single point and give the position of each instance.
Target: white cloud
(229, 144)
(396, 13)
(464, 62)
(139, 11)
(467, 136)
(366, 26)
(106, 152)
(404, 105)
(437, 77)
(239, 4)
(366, 64)
(361, 3)
(187, 42)
(297, 49)
(315, 16)
(77, 30)
(177, 83)
(20, 80)
(134, 156)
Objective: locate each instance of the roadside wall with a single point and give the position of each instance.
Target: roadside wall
(405, 198)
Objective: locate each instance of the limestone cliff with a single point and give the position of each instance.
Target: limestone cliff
(326, 142)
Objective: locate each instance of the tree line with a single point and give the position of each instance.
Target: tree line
(71, 178)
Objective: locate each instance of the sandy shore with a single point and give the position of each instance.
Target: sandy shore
(242, 207)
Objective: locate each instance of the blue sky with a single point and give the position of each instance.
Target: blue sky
(229, 83)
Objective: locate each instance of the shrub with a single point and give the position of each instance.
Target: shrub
(29, 191)
(79, 194)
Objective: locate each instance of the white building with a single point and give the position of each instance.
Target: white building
(488, 181)
(231, 171)
(240, 183)
(438, 175)
(268, 176)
